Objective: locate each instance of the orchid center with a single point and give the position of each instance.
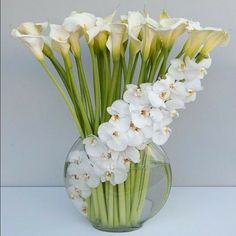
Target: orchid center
(164, 95)
(166, 130)
(115, 134)
(181, 67)
(138, 92)
(133, 127)
(190, 92)
(115, 117)
(144, 113)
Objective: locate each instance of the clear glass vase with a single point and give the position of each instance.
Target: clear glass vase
(125, 207)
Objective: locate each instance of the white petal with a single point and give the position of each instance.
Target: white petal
(159, 138)
(133, 154)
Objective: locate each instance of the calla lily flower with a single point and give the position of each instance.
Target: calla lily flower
(135, 21)
(116, 39)
(77, 21)
(101, 30)
(215, 38)
(60, 38)
(30, 34)
(170, 29)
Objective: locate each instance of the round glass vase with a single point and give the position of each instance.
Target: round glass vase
(125, 207)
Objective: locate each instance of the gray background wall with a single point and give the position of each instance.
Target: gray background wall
(37, 129)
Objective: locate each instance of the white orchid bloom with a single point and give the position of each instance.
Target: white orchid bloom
(161, 130)
(113, 137)
(59, 38)
(79, 190)
(196, 70)
(81, 204)
(159, 93)
(140, 115)
(120, 115)
(31, 35)
(135, 136)
(76, 156)
(177, 89)
(188, 69)
(94, 146)
(130, 154)
(137, 94)
(191, 88)
(173, 105)
(161, 135)
(116, 173)
(116, 39)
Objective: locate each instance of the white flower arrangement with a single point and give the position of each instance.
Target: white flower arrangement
(127, 114)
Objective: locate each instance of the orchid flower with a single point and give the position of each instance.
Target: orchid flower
(159, 93)
(94, 146)
(113, 137)
(120, 115)
(137, 94)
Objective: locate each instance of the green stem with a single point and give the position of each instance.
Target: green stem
(136, 191)
(68, 65)
(110, 205)
(113, 82)
(61, 91)
(144, 187)
(115, 206)
(122, 211)
(81, 73)
(164, 63)
(154, 67)
(133, 68)
(95, 204)
(102, 205)
(97, 94)
(142, 72)
(128, 198)
(107, 84)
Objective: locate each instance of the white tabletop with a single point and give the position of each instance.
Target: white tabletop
(190, 211)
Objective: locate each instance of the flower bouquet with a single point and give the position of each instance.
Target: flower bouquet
(116, 173)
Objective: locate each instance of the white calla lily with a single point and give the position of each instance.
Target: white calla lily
(116, 39)
(77, 21)
(169, 29)
(59, 38)
(31, 35)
